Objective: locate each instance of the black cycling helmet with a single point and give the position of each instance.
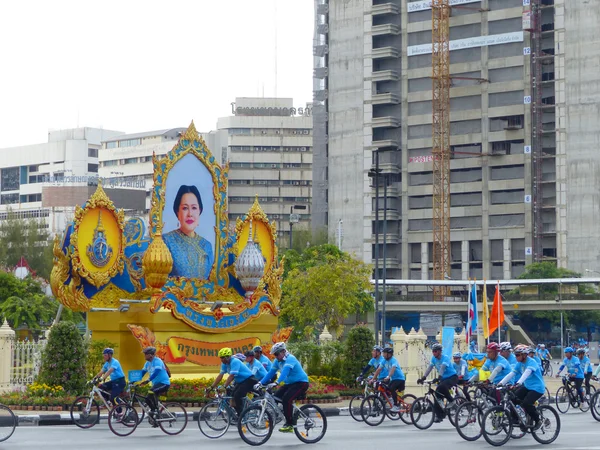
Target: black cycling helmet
(435, 347)
(580, 351)
(249, 353)
(388, 350)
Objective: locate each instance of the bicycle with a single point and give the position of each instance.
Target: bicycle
(424, 406)
(356, 401)
(595, 405)
(167, 415)
(257, 416)
(85, 410)
(376, 406)
(567, 396)
(8, 422)
(215, 418)
(547, 370)
(468, 417)
(498, 422)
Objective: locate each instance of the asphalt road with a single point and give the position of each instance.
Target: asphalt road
(579, 431)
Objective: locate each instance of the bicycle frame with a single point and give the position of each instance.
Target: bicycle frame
(510, 408)
(96, 392)
(143, 402)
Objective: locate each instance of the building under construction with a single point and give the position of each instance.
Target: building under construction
(524, 134)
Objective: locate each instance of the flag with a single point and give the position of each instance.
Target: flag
(485, 313)
(472, 314)
(447, 341)
(497, 317)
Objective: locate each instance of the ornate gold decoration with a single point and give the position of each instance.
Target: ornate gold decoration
(157, 262)
(70, 295)
(109, 297)
(99, 199)
(273, 279)
(146, 338)
(192, 143)
(256, 214)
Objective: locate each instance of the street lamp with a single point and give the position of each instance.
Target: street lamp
(294, 218)
(374, 173)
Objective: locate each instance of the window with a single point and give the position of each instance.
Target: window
(93, 168)
(34, 198)
(113, 144)
(92, 152)
(131, 160)
(9, 179)
(239, 131)
(147, 159)
(9, 199)
(34, 168)
(130, 142)
(112, 162)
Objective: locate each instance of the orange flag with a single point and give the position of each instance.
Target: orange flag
(497, 316)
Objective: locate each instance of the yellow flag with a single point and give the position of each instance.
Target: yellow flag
(486, 314)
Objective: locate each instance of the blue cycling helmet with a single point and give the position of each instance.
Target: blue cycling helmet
(569, 350)
(457, 355)
(108, 351)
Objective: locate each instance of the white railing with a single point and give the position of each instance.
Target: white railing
(27, 359)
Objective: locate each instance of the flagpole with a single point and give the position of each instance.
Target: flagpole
(499, 300)
(487, 312)
(475, 313)
(468, 325)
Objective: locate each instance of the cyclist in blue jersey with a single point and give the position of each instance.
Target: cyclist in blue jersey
(448, 377)
(294, 378)
(374, 363)
(462, 368)
(587, 366)
(238, 372)
(257, 369)
(495, 363)
(258, 354)
(158, 375)
(506, 352)
(533, 355)
(394, 377)
(545, 356)
(111, 368)
(530, 387)
(575, 371)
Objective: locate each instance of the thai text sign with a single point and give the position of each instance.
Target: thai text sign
(461, 44)
(424, 5)
(204, 353)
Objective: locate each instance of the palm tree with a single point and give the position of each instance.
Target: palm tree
(18, 311)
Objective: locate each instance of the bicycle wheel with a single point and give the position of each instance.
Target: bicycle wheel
(421, 413)
(451, 412)
(275, 412)
(8, 423)
(141, 412)
(255, 425)
(85, 412)
(592, 390)
(467, 421)
(497, 426)
(549, 370)
(214, 420)
(407, 401)
(354, 407)
(123, 420)
(585, 405)
(550, 425)
(372, 410)
(545, 399)
(563, 402)
(311, 424)
(172, 418)
(595, 406)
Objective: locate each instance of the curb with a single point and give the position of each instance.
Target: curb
(65, 419)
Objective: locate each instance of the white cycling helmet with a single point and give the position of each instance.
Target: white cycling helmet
(542, 345)
(279, 347)
(457, 355)
(505, 346)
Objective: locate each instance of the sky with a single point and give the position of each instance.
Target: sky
(133, 66)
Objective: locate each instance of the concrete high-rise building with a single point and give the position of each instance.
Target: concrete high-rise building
(46, 181)
(268, 145)
(524, 165)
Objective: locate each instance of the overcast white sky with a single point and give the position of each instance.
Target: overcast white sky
(133, 65)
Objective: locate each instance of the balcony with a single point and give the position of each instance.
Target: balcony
(323, 9)
(320, 50)
(386, 8)
(392, 191)
(323, 28)
(391, 238)
(385, 99)
(385, 53)
(385, 75)
(386, 143)
(391, 263)
(385, 122)
(320, 72)
(392, 215)
(385, 29)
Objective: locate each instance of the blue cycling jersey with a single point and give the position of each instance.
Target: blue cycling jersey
(157, 370)
(544, 354)
(443, 361)
(291, 371)
(573, 366)
(500, 361)
(117, 370)
(586, 364)
(535, 381)
(236, 368)
(537, 360)
(257, 369)
(266, 362)
(393, 362)
(376, 362)
(461, 368)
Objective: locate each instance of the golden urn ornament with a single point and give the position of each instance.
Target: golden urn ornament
(157, 262)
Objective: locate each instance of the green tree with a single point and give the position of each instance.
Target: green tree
(357, 351)
(324, 287)
(28, 238)
(304, 237)
(11, 286)
(64, 358)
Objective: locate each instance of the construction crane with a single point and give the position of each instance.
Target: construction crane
(440, 31)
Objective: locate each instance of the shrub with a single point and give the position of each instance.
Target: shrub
(64, 358)
(95, 360)
(357, 353)
(319, 360)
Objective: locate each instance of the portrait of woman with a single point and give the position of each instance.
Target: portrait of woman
(192, 254)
